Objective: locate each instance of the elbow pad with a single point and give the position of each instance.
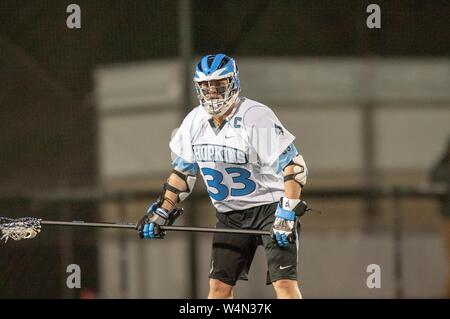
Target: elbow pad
(300, 171)
(190, 182)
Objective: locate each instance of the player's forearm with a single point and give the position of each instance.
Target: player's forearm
(178, 183)
(292, 189)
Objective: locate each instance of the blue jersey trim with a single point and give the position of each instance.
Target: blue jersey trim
(288, 155)
(191, 168)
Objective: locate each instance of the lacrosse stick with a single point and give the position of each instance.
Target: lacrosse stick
(29, 227)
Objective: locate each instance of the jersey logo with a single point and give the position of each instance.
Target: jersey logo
(219, 154)
(278, 129)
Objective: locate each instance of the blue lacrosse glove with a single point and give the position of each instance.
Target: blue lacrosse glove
(149, 226)
(286, 217)
(284, 226)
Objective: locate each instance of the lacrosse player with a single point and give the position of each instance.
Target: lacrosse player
(254, 176)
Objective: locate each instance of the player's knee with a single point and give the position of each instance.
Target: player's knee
(287, 289)
(219, 289)
(286, 285)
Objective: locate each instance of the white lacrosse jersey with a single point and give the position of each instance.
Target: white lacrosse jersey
(237, 159)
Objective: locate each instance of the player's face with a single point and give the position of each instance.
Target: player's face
(214, 89)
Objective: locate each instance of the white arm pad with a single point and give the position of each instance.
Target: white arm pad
(188, 179)
(300, 170)
(190, 182)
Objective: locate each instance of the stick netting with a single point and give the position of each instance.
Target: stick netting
(19, 228)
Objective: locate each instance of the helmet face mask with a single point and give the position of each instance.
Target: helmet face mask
(217, 83)
(216, 98)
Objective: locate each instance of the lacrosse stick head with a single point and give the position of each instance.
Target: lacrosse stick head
(19, 228)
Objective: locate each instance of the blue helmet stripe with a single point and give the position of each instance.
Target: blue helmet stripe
(229, 67)
(199, 67)
(217, 59)
(205, 66)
